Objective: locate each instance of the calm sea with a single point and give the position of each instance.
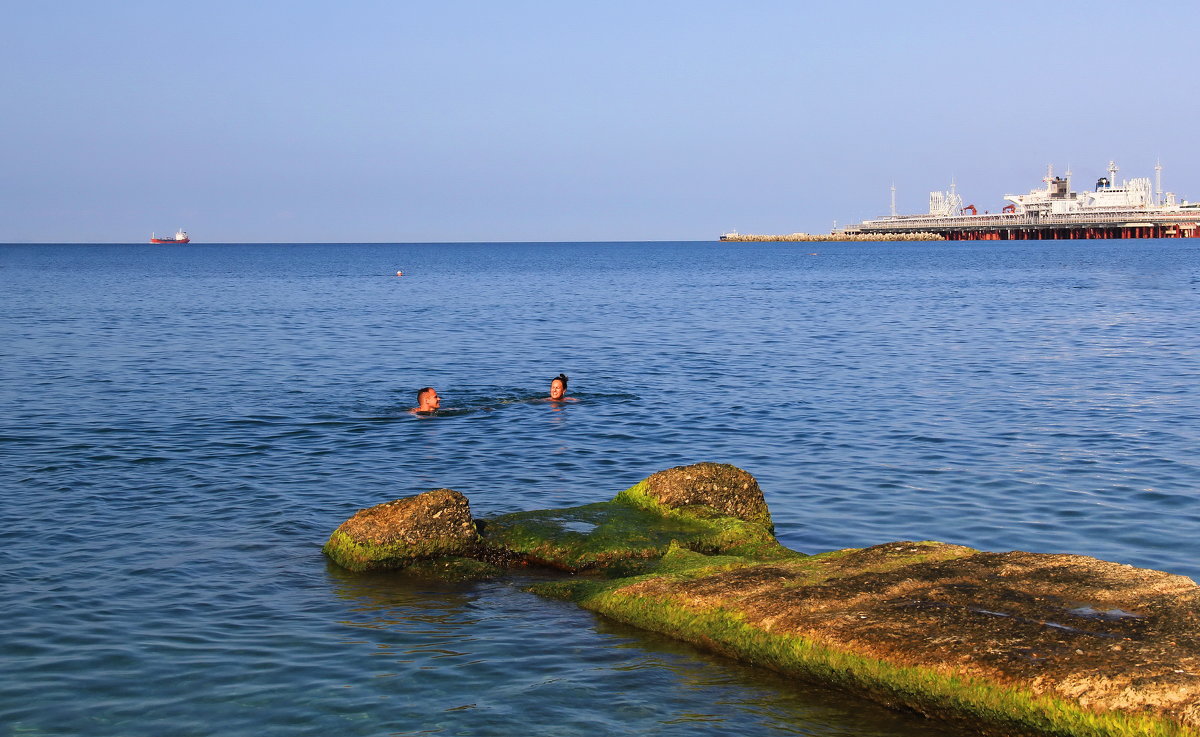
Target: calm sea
(181, 427)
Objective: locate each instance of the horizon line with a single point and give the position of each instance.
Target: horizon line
(338, 243)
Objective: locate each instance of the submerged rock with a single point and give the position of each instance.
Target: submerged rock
(399, 533)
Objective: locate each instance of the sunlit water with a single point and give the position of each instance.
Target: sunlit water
(182, 426)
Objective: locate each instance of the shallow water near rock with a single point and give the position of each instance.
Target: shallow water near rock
(181, 427)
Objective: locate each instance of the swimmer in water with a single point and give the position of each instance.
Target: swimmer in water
(428, 401)
(558, 389)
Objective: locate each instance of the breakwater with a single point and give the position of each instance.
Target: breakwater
(829, 237)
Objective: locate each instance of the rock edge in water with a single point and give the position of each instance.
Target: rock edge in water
(1010, 643)
(400, 533)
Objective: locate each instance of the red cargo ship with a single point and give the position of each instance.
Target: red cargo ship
(180, 237)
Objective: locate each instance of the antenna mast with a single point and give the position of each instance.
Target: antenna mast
(893, 199)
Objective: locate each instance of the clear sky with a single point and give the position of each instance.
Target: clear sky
(374, 120)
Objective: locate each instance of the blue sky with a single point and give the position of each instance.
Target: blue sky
(449, 121)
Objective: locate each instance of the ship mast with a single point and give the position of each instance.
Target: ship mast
(1112, 173)
(893, 199)
(1158, 198)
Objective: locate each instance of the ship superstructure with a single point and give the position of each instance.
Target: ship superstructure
(1132, 209)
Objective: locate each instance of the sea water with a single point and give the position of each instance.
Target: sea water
(181, 427)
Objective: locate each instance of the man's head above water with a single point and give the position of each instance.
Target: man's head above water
(427, 400)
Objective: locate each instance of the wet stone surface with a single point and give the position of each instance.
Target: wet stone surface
(1010, 618)
(397, 533)
(725, 488)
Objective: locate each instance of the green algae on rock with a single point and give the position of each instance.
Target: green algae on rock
(726, 489)
(399, 533)
(1013, 643)
(608, 534)
(707, 507)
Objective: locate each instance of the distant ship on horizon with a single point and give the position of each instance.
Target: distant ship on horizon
(180, 237)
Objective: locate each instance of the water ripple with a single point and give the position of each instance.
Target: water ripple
(181, 428)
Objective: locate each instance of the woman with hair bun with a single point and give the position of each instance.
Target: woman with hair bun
(558, 389)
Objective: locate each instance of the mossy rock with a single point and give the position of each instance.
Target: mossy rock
(399, 533)
(617, 537)
(1005, 643)
(706, 507)
(727, 490)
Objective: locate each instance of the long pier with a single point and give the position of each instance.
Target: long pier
(1003, 227)
(827, 237)
(1026, 227)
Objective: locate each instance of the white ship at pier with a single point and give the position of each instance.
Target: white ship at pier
(1132, 209)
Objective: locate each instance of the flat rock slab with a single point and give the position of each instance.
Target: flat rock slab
(1030, 643)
